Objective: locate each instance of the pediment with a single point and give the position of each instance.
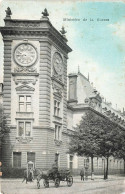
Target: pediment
(24, 88)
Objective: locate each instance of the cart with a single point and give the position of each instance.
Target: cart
(56, 178)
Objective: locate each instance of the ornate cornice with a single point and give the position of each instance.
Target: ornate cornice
(37, 28)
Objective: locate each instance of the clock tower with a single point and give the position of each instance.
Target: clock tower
(35, 92)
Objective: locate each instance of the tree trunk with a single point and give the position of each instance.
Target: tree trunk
(92, 169)
(107, 169)
(124, 165)
(104, 170)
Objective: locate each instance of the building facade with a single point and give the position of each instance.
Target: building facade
(35, 92)
(35, 96)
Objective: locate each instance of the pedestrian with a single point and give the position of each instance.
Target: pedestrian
(82, 174)
(31, 174)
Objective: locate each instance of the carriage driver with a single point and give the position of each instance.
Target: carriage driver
(54, 169)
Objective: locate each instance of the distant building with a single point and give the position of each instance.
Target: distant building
(82, 96)
(35, 96)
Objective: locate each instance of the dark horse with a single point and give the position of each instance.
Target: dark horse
(46, 175)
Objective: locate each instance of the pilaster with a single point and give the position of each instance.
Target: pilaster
(7, 80)
(44, 83)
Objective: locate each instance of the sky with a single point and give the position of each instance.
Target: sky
(96, 34)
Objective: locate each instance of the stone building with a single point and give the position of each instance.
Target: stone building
(35, 96)
(82, 96)
(35, 92)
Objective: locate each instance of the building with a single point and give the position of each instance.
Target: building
(82, 97)
(35, 95)
(35, 92)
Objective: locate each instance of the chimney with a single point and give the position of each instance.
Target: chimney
(72, 96)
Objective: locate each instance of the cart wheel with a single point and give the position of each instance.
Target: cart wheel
(70, 181)
(38, 185)
(57, 182)
(46, 183)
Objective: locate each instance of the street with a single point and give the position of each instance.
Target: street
(114, 185)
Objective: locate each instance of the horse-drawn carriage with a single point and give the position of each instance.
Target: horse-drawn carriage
(52, 175)
(56, 177)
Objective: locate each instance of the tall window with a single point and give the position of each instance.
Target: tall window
(17, 159)
(71, 162)
(57, 132)
(24, 128)
(57, 159)
(56, 108)
(24, 103)
(31, 157)
(86, 162)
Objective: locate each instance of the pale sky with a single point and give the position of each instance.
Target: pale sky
(98, 46)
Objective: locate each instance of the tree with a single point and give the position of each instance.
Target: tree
(94, 136)
(4, 128)
(120, 153)
(108, 144)
(85, 140)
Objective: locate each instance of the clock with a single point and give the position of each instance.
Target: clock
(57, 63)
(25, 54)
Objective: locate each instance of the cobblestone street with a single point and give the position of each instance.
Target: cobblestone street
(114, 185)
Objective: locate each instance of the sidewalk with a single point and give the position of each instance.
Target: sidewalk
(101, 177)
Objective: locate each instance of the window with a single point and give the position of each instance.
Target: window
(56, 108)
(71, 162)
(57, 159)
(24, 103)
(31, 157)
(17, 159)
(57, 132)
(86, 162)
(24, 128)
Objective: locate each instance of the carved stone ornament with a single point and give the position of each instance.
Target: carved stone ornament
(25, 80)
(58, 142)
(25, 54)
(45, 13)
(24, 88)
(63, 32)
(58, 91)
(25, 24)
(8, 13)
(24, 139)
(25, 69)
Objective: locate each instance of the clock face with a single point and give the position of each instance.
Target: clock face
(25, 54)
(57, 63)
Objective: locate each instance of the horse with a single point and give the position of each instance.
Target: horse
(28, 176)
(42, 175)
(46, 175)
